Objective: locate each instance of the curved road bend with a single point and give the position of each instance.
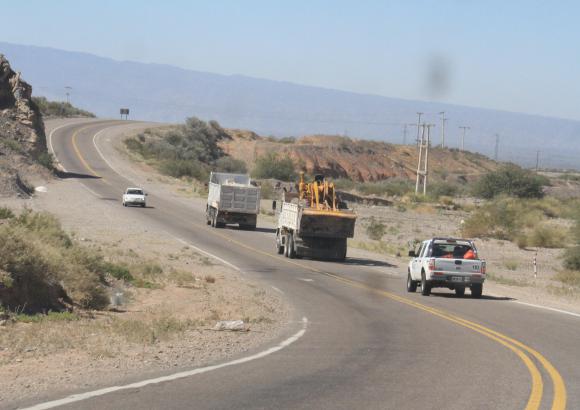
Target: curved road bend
(368, 343)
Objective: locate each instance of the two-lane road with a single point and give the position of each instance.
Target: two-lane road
(367, 343)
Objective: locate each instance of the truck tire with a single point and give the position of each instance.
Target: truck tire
(476, 290)
(425, 285)
(459, 291)
(411, 284)
(212, 218)
(291, 249)
(342, 251)
(279, 246)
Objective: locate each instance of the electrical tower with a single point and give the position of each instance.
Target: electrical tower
(464, 128)
(423, 163)
(496, 149)
(67, 92)
(538, 160)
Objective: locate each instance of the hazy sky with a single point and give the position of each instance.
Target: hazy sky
(520, 56)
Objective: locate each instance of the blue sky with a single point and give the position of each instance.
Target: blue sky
(521, 56)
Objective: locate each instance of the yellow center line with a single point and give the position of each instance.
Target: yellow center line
(81, 158)
(536, 393)
(535, 397)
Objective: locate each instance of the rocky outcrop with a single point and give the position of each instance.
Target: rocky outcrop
(20, 118)
(22, 139)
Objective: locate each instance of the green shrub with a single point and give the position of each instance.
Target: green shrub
(59, 109)
(439, 189)
(271, 166)
(267, 190)
(499, 219)
(510, 180)
(376, 229)
(545, 236)
(45, 159)
(511, 264)
(568, 277)
(117, 271)
(188, 150)
(45, 269)
(392, 187)
(229, 164)
(6, 213)
(572, 258)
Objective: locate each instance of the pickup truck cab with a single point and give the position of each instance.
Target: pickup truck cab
(446, 263)
(134, 196)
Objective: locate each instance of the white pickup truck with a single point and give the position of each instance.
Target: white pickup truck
(134, 196)
(446, 263)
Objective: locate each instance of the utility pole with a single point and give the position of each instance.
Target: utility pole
(496, 149)
(405, 134)
(423, 163)
(464, 128)
(443, 120)
(418, 126)
(537, 160)
(67, 92)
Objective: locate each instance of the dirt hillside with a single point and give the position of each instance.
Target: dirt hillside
(361, 160)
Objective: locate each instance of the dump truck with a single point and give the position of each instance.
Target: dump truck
(232, 199)
(313, 221)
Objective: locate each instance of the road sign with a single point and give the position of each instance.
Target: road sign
(125, 112)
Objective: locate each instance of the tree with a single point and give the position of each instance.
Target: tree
(271, 166)
(510, 180)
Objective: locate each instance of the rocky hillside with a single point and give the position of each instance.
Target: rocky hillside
(360, 160)
(22, 138)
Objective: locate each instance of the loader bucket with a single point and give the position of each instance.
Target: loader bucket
(327, 224)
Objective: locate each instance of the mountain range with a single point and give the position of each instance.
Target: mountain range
(165, 93)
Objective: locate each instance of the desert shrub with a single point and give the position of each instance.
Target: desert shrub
(511, 264)
(45, 159)
(43, 269)
(498, 219)
(345, 184)
(546, 236)
(184, 168)
(569, 277)
(229, 164)
(572, 258)
(439, 189)
(118, 271)
(6, 213)
(188, 150)
(59, 109)
(272, 166)
(510, 180)
(376, 229)
(394, 187)
(267, 190)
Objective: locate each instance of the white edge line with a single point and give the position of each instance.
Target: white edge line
(211, 255)
(51, 148)
(101, 392)
(103, 157)
(548, 308)
(277, 289)
(305, 280)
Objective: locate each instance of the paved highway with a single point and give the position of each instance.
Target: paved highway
(366, 344)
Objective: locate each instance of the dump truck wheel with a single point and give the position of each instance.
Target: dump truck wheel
(476, 290)
(279, 246)
(291, 250)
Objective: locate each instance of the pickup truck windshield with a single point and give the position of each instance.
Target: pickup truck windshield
(134, 192)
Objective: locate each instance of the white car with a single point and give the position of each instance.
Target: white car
(134, 196)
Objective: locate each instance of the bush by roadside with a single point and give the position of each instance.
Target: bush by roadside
(59, 109)
(510, 180)
(189, 150)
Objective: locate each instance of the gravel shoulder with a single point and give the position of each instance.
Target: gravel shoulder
(155, 329)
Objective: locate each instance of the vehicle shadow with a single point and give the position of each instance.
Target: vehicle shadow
(367, 262)
(468, 296)
(74, 175)
(257, 229)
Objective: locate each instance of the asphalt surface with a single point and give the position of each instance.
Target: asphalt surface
(368, 343)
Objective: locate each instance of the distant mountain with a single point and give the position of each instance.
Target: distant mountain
(164, 93)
